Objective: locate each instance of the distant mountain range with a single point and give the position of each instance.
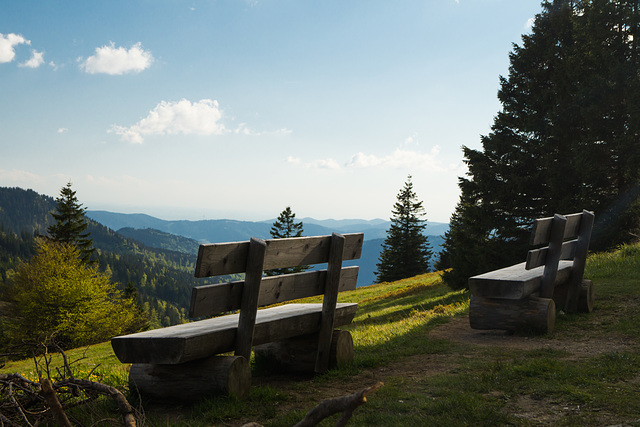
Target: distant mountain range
(164, 234)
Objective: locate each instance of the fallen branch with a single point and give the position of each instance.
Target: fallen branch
(345, 404)
(54, 403)
(124, 407)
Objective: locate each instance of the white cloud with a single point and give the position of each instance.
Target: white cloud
(35, 61)
(63, 130)
(172, 118)
(399, 159)
(529, 23)
(7, 45)
(117, 60)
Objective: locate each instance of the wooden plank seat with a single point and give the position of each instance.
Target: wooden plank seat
(525, 296)
(195, 340)
(191, 360)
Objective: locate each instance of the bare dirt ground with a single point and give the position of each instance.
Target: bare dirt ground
(531, 410)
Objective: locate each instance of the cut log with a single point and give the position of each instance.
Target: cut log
(228, 375)
(531, 314)
(586, 298)
(299, 354)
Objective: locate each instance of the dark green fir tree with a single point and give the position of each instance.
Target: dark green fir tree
(285, 226)
(71, 224)
(406, 251)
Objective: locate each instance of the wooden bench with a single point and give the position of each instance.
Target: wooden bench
(525, 296)
(187, 361)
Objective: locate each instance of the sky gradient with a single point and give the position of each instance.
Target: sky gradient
(237, 109)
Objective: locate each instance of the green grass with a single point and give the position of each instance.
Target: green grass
(550, 383)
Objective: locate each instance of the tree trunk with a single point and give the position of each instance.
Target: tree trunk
(193, 380)
(299, 354)
(531, 314)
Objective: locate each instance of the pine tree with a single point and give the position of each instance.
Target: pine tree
(285, 226)
(406, 251)
(567, 138)
(71, 223)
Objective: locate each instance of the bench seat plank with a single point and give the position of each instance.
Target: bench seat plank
(190, 341)
(514, 282)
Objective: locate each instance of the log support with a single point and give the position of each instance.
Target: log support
(531, 314)
(230, 375)
(299, 354)
(586, 297)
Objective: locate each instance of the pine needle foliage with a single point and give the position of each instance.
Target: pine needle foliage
(285, 226)
(406, 251)
(71, 223)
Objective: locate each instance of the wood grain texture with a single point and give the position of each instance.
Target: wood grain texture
(299, 354)
(188, 382)
(582, 248)
(329, 302)
(231, 258)
(542, 229)
(210, 300)
(529, 314)
(195, 340)
(515, 282)
(249, 301)
(553, 256)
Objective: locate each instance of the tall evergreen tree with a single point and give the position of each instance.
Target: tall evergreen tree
(71, 224)
(567, 138)
(283, 227)
(406, 251)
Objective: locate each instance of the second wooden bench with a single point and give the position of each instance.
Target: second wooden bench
(525, 296)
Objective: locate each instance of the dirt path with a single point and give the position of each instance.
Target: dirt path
(457, 330)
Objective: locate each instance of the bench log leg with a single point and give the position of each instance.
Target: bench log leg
(230, 375)
(586, 297)
(299, 354)
(529, 314)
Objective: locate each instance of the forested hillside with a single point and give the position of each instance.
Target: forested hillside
(162, 279)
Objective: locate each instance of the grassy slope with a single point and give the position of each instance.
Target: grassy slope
(476, 385)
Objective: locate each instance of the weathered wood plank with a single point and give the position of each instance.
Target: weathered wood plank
(514, 282)
(537, 257)
(231, 258)
(195, 340)
(209, 300)
(542, 229)
(553, 256)
(582, 247)
(329, 302)
(249, 301)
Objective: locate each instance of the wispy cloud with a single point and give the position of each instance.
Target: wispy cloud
(401, 158)
(63, 130)
(314, 164)
(171, 118)
(117, 60)
(36, 60)
(8, 44)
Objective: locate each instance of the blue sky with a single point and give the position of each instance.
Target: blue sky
(237, 109)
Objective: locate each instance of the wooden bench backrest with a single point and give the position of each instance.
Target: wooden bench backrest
(568, 238)
(231, 258)
(577, 226)
(257, 255)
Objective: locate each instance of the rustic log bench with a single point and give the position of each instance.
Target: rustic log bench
(525, 296)
(188, 361)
